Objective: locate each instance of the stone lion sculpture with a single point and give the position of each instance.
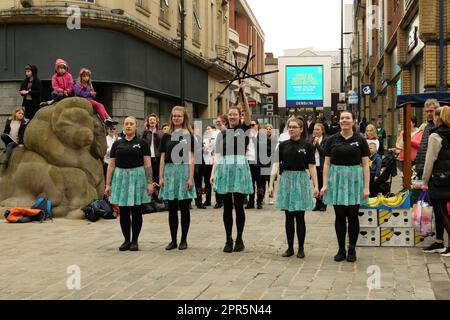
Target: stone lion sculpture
(62, 159)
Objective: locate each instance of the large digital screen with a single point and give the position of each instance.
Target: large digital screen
(304, 86)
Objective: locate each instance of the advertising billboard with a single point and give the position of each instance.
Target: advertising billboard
(304, 86)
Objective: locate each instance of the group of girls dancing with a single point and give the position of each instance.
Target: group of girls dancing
(344, 178)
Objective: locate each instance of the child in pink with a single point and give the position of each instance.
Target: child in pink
(83, 88)
(62, 83)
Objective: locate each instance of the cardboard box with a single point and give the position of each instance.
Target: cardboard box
(368, 217)
(369, 237)
(395, 218)
(397, 237)
(421, 241)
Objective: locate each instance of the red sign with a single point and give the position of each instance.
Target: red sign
(252, 103)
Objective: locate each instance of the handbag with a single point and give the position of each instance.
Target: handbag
(422, 215)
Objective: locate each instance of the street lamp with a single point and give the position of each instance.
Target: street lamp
(342, 46)
(182, 15)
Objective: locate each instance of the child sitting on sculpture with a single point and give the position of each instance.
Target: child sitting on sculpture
(62, 83)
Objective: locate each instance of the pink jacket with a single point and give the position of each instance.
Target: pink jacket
(64, 82)
(415, 144)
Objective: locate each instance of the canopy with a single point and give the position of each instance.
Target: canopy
(418, 99)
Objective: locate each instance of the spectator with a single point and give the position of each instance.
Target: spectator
(334, 126)
(310, 124)
(30, 89)
(13, 134)
(62, 83)
(436, 176)
(153, 135)
(363, 125)
(319, 142)
(430, 108)
(375, 169)
(111, 137)
(381, 134)
(371, 135)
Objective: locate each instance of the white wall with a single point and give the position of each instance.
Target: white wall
(304, 61)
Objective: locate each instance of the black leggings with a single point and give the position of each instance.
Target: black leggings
(441, 217)
(183, 205)
(236, 200)
(298, 216)
(342, 214)
(126, 223)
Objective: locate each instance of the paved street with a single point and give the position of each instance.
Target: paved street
(35, 258)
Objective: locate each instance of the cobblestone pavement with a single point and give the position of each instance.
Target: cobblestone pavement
(35, 258)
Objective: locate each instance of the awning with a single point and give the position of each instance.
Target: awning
(418, 100)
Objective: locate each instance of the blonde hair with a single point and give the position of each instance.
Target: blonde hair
(13, 115)
(445, 115)
(374, 131)
(186, 123)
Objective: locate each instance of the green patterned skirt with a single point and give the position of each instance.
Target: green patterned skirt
(294, 192)
(345, 185)
(233, 175)
(176, 176)
(129, 187)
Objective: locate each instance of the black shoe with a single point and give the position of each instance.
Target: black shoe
(239, 246)
(201, 206)
(288, 253)
(172, 245)
(217, 206)
(316, 209)
(44, 104)
(259, 206)
(323, 209)
(300, 254)
(134, 247)
(125, 246)
(183, 245)
(228, 246)
(446, 252)
(435, 248)
(250, 206)
(351, 254)
(207, 204)
(340, 256)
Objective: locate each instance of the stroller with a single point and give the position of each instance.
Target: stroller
(388, 170)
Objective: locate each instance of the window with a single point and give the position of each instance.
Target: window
(164, 11)
(143, 4)
(196, 24)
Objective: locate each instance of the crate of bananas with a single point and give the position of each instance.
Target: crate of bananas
(400, 200)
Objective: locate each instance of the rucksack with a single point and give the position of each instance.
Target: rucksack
(44, 204)
(99, 209)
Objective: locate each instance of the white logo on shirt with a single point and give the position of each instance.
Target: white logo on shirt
(137, 146)
(183, 141)
(302, 151)
(355, 144)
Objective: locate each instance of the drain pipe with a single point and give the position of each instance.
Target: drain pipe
(442, 86)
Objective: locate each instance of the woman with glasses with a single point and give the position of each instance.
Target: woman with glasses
(231, 175)
(294, 196)
(111, 137)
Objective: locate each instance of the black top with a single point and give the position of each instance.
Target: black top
(148, 136)
(130, 154)
(23, 126)
(233, 141)
(174, 146)
(296, 155)
(346, 152)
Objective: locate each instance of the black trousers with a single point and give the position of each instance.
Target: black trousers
(207, 169)
(259, 186)
(198, 178)
(155, 168)
(30, 108)
(319, 202)
(441, 217)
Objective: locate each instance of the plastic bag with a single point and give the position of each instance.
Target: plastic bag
(422, 215)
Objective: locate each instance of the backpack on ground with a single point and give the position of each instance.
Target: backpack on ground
(44, 204)
(99, 209)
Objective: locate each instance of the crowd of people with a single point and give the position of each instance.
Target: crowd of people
(316, 164)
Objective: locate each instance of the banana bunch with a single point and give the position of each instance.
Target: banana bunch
(393, 201)
(375, 201)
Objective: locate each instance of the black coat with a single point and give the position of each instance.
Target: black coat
(441, 166)
(22, 128)
(321, 148)
(36, 88)
(147, 136)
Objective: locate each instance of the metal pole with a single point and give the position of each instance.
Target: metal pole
(441, 46)
(182, 54)
(342, 46)
(359, 71)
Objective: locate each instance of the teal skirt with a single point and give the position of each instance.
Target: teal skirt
(129, 187)
(345, 185)
(233, 175)
(176, 176)
(294, 192)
